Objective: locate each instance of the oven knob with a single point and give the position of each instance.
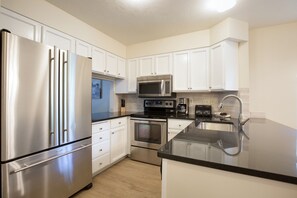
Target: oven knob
(166, 103)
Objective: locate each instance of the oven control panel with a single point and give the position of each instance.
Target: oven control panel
(159, 103)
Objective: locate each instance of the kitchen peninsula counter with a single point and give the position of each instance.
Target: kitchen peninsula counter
(194, 165)
(270, 151)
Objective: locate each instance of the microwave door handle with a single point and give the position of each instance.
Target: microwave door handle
(162, 88)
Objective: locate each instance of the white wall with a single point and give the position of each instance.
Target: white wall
(273, 73)
(169, 44)
(48, 14)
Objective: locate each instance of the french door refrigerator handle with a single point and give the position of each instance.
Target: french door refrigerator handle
(25, 166)
(65, 98)
(52, 60)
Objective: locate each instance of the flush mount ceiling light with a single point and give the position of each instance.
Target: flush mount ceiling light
(220, 5)
(136, 2)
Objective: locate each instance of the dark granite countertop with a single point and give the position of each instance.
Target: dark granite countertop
(270, 151)
(97, 117)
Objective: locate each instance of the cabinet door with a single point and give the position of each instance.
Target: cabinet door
(83, 48)
(146, 66)
(121, 68)
(53, 37)
(176, 124)
(163, 64)
(172, 133)
(180, 71)
(118, 143)
(132, 75)
(98, 60)
(111, 64)
(198, 71)
(20, 25)
(216, 67)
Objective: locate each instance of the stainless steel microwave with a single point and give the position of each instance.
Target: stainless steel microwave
(155, 86)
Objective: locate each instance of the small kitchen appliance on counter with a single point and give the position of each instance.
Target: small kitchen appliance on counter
(183, 106)
(203, 111)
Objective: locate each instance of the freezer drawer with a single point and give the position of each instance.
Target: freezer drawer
(56, 173)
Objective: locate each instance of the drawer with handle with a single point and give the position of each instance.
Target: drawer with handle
(100, 162)
(178, 124)
(118, 122)
(100, 149)
(100, 137)
(101, 126)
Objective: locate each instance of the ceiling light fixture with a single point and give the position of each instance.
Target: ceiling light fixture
(221, 5)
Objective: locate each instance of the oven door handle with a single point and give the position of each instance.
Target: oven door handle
(148, 119)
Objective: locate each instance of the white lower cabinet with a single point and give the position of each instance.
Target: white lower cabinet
(100, 145)
(109, 143)
(100, 149)
(100, 162)
(118, 139)
(175, 126)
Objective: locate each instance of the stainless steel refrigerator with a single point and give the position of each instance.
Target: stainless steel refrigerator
(45, 120)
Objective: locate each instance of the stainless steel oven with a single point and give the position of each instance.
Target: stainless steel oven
(147, 136)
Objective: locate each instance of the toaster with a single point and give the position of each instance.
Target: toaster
(203, 111)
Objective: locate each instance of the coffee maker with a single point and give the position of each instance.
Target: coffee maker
(183, 106)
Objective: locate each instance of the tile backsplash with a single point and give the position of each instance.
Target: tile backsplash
(231, 106)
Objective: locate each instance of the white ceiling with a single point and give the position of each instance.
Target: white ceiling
(146, 20)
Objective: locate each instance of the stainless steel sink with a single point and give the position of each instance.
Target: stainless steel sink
(228, 127)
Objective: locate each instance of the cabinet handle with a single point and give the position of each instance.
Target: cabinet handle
(100, 150)
(100, 164)
(100, 138)
(179, 125)
(100, 129)
(105, 70)
(112, 133)
(120, 122)
(119, 74)
(152, 73)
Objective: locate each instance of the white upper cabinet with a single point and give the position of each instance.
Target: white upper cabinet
(146, 66)
(111, 64)
(155, 65)
(108, 64)
(190, 70)
(163, 64)
(121, 68)
(133, 66)
(82, 48)
(98, 60)
(180, 71)
(56, 38)
(20, 25)
(129, 84)
(198, 72)
(224, 66)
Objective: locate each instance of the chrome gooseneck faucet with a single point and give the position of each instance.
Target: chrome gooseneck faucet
(240, 126)
(240, 122)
